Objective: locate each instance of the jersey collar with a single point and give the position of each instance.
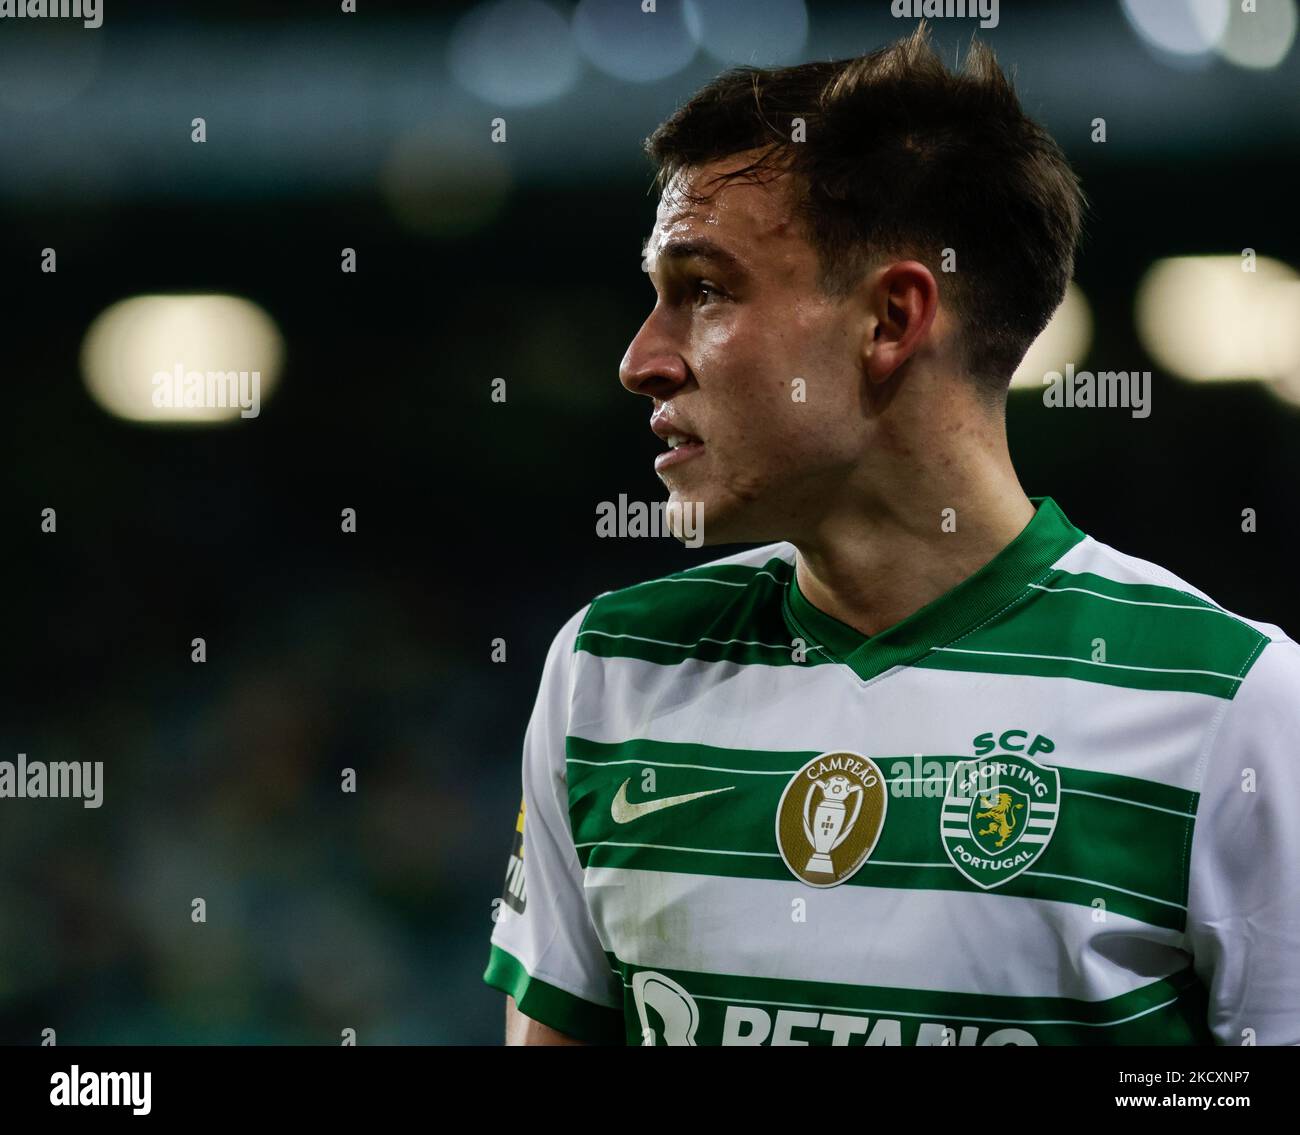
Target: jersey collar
(977, 598)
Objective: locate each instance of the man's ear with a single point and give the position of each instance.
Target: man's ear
(904, 298)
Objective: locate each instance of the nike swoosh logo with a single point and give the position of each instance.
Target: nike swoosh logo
(621, 811)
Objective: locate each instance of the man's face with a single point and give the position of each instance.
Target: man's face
(748, 360)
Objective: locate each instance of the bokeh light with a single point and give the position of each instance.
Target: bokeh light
(755, 33)
(629, 43)
(1179, 27)
(1066, 339)
(1205, 318)
(135, 350)
(514, 53)
(1260, 39)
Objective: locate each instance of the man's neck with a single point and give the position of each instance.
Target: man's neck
(878, 564)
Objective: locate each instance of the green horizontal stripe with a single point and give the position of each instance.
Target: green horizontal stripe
(1171, 1011)
(1131, 788)
(1119, 839)
(973, 658)
(681, 754)
(756, 652)
(1155, 637)
(1150, 638)
(719, 613)
(575, 1017)
(1163, 601)
(670, 753)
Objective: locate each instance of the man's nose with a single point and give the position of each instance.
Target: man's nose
(652, 365)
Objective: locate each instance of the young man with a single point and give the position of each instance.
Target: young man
(935, 767)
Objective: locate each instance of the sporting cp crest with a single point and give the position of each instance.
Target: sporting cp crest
(999, 816)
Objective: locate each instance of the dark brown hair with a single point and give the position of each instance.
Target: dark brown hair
(903, 157)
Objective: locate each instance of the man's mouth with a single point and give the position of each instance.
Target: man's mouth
(681, 447)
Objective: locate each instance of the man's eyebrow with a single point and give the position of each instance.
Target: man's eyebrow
(699, 247)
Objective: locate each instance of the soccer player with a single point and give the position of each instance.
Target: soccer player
(931, 765)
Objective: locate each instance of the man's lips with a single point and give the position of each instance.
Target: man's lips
(682, 444)
(679, 453)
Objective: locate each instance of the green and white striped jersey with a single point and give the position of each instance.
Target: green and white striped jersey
(1060, 804)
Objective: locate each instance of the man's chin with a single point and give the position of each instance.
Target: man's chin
(701, 523)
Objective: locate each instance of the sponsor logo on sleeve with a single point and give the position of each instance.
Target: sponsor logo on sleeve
(514, 896)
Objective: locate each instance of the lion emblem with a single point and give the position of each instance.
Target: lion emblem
(1001, 817)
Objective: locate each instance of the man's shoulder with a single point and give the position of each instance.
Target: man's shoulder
(1168, 608)
(732, 595)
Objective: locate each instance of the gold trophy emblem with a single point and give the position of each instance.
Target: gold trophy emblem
(834, 807)
(829, 828)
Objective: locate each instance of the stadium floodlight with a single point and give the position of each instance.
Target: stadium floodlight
(182, 359)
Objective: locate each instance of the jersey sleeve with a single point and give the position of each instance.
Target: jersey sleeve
(1244, 891)
(544, 951)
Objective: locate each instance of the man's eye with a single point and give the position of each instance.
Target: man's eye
(704, 293)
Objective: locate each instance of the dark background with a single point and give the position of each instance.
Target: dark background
(475, 519)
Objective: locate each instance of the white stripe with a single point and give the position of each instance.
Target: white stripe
(698, 579)
(882, 863)
(1138, 602)
(670, 847)
(1085, 662)
(1107, 887)
(729, 705)
(1135, 803)
(670, 764)
(1041, 874)
(706, 580)
(787, 647)
(902, 863)
(672, 920)
(1092, 556)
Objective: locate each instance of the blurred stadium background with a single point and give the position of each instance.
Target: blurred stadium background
(476, 519)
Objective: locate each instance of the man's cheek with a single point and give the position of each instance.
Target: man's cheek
(719, 345)
(745, 482)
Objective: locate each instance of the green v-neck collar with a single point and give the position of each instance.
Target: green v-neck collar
(1043, 541)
